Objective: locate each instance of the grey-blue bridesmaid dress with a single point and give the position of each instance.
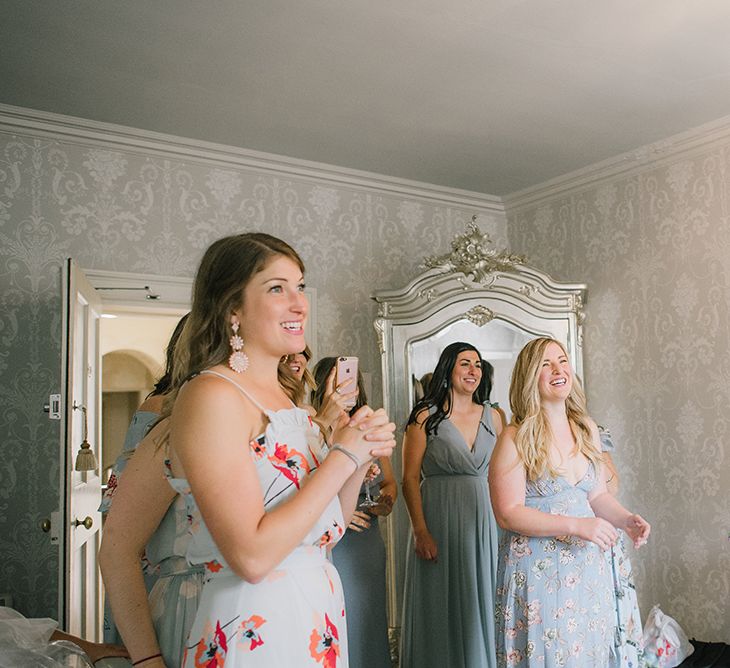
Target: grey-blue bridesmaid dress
(360, 561)
(448, 607)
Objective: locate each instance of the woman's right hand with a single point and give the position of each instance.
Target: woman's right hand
(359, 522)
(425, 546)
(598, 531)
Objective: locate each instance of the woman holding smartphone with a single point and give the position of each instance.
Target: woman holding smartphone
(360, 555)
(448, 606)
(265, 499)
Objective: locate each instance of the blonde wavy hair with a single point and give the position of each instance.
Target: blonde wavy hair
(534, 436)
(295, 388)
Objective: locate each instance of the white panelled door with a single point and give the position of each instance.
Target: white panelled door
(81, 604)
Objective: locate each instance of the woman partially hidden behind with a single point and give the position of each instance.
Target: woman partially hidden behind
(555, 600)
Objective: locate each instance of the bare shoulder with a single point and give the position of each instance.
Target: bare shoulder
(152, 404)
(421, 418)
(156, 438)
(505, 457)
(509, 433)
(209, 399)
(497, 419)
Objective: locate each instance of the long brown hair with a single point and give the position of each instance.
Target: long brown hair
(226, 268)
(534, 436)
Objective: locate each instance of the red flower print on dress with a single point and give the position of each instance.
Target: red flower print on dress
(249, 631)
(324, 646)
(111, 486)
(210, 652)
(258, 448)
(291, 463)
(331, 535)
(213, 566)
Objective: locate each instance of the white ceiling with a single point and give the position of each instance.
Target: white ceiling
(491, 96)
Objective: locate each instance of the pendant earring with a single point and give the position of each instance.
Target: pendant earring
(238, 360)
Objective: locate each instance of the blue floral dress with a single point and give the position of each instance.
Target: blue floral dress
(555, 600)
(172, 584)
(628, 649)
(296, 615)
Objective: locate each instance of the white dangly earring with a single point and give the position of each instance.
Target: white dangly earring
(238, 361)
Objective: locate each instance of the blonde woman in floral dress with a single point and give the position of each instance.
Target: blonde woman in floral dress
(555, 600)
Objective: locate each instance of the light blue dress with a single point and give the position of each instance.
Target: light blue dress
(173, 585)
(555, 601)
(448, 606)
(360, 561)
(628, 645)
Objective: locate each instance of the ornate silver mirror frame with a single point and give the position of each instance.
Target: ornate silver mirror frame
(472, 289)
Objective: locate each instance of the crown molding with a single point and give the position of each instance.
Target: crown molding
(19, 120)
(649, 156)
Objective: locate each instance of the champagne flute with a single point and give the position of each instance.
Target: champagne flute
(372, 473)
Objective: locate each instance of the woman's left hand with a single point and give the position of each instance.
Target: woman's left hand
(98, 651)
(378, 428)
(638, 529)
(360, 521)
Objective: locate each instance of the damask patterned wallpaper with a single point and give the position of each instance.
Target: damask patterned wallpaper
(140, 210)
(654, 248)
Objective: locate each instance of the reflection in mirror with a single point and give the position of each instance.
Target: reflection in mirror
(498, 342)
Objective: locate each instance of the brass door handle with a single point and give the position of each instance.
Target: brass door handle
(87, 522)
(46, 525)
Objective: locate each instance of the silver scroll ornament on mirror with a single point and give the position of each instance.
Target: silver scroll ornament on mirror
(473, 255)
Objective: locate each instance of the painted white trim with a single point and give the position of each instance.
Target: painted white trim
(174, 292)
(640, 159)
(174, 296)
(95, 133)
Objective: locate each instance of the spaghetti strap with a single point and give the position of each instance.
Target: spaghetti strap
(239, 388)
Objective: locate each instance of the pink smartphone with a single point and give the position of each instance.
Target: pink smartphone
(347, 370)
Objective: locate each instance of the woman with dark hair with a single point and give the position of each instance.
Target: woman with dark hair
(448, 607)
(266, 499)
(360, 554)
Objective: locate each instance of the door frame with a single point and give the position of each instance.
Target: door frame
(173, 298)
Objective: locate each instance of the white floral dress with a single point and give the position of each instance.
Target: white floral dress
(296, 615)
(555, 599)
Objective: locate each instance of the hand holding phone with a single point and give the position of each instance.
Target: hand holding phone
(347, 371)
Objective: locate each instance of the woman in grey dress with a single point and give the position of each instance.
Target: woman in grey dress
(451, 566)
